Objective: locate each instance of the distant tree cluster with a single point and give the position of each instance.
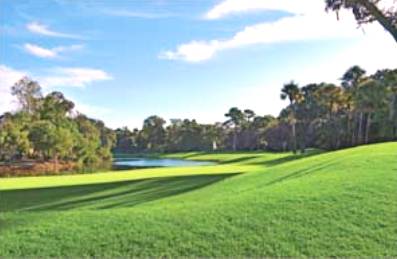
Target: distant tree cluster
(360, 111)
(44, 129)
(242, 131)
(363, 109)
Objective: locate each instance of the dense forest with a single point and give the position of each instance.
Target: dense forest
(45, 128)
(361, 110)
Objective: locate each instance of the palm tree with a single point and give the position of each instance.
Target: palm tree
(393, 107)
(214, 133)
(371, 98)
(332, 99)
(351, 79)
(292, 92)
(236, 120)
(388, 78)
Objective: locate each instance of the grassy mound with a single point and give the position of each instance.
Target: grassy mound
(340, 203)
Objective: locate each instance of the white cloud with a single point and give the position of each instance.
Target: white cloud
(228, 7)
(307, 21)
(59, 77)
(42, 52)
(132, 14)
(194, 51)
(264, 96)
(42, 29)
(8, 77)
(73, 77)
(39, 51)
(300, 27)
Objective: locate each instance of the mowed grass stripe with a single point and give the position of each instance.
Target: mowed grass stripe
(334, 204)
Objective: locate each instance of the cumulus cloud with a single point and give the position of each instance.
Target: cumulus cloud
(229, 7)
(42, 52)
(42, 29)
(300, 27)
(307, 21)
(263, 97)
(57, 78)
(194, 51)
(39, 51)
(8, 77)
(73, 77)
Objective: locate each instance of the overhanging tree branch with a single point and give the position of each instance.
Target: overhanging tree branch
(380, 17)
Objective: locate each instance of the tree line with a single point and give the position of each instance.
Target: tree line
(45, 129)
(361, 110)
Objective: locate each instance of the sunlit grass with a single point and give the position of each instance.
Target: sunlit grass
(340, 203)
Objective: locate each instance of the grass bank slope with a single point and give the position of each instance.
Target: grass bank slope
(340, 203)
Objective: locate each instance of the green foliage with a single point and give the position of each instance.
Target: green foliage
(14, 141)
(44, 129)
(28, 93)
(331, 117)
(362, 110)
(335, 204)
(153, 132)
(327, 116)
(42, 134)
(188, 135)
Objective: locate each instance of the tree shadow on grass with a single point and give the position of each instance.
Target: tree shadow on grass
(239, 160)
(288, 158)
(104, 196)
(192, 155)
(302, 172)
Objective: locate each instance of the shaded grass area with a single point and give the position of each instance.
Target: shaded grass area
(117, 176)
(333, 204)
(103, 196)
(248, 158)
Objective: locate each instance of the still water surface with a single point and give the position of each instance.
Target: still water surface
(149, 162)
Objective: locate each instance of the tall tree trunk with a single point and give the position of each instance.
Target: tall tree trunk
(294, 136)
(386, 22)
(348, 128)
(360, 129)
(367, 128)
(305, 128)
(392, 107)
(337, 134)
(285, 145)
(56, 163)
(392, 116)
(302, 144)
(395, 131)
(234, 140)
(354, 127)
(214, 145)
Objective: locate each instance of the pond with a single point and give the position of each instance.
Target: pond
(130, 163)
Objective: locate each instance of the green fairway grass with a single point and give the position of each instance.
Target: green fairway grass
(341, 203)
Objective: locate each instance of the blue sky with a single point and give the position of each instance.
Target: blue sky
(122, 61)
